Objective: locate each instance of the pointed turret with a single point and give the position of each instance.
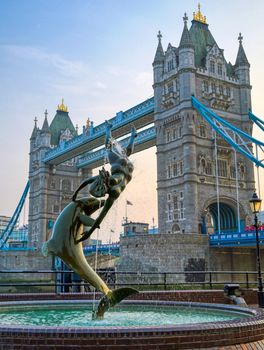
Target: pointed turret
(159, 56)
(241, 59)
(186, 40)
(186, 63)
(61, 123)
(45, 127)
(242, 71)
(35, 129)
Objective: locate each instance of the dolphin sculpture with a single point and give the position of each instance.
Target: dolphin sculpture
(65, 243)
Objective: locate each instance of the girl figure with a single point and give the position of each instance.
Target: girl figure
(114, 184)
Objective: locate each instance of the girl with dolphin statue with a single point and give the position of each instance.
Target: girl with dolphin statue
(68, 231)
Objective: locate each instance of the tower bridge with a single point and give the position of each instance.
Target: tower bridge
(203, 183)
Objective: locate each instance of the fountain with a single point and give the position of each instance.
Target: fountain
(141, 324)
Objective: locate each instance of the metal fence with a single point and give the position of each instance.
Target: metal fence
(59, 281)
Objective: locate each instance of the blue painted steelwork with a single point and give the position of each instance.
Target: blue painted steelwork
(121, 119)
(13, 221)
(259, 122)
(228, 220)
(92, 157)
(228, 132)
(235, 239)
(106, 249)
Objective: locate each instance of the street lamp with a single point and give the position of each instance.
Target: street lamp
(255, 204)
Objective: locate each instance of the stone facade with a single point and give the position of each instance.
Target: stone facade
(161, 253)
(165, 253)
(51, 187)
(186, 153)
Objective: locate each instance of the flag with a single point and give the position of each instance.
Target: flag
(129, 203)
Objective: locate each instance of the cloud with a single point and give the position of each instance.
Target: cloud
(66, 67)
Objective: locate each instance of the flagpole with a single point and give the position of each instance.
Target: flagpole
(126, 213)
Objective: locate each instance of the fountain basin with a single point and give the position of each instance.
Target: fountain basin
(241, 325)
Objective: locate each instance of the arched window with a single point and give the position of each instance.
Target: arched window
(176, 229)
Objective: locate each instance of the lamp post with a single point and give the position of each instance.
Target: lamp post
(255, 204)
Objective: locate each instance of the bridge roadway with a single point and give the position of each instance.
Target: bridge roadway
(140, 116)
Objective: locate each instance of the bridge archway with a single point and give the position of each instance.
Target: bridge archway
(228, 216)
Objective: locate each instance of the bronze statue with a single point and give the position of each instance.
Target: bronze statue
(114, 185)
(68, 232)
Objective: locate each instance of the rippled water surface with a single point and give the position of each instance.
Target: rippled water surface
(118, 316)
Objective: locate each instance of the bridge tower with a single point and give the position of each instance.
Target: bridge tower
(199, 176)
(50, 187)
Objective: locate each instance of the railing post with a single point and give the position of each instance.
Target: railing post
(247, 282)
(165, 280)
(56, 286)
(210, 280)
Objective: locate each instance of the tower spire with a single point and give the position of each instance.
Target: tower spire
(35, 129)
(159, 56)
(241, 55)
(186, 40)
(45, 126)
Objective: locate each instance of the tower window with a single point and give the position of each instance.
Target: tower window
(175, 169)
(233, 172)
(206, 88)
(208, 168)
(181, 167)
(180, 131)
(221, 90)
(228, 91)
(212, 67)
(182, 210)
(222, 167)
(66, 185)
(168, 171)
(175, 203)
(202, 131)
(168, 136)
(213, 88)
(219, 68)
(170, 65)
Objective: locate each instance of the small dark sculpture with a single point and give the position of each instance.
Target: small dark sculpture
(68, 232)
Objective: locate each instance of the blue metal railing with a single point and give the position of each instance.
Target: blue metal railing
(111, 249)
(234, 239)
(121, 119)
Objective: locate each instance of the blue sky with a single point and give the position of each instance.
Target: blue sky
(98, 56)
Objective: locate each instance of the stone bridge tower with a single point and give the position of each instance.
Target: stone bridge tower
(187, 159)
(50, 187)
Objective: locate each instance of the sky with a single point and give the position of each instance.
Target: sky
(97, 55)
